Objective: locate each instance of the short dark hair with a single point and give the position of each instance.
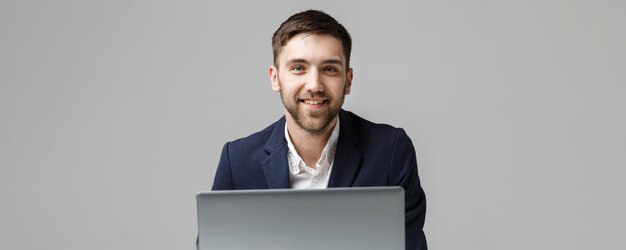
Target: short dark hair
(314, 22)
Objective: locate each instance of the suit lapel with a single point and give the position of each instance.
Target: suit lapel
(275, 165)
(347, 157)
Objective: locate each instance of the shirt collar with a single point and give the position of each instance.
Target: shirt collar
(296, 164)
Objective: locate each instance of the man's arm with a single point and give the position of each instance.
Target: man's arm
(223, 178)
(404, 173)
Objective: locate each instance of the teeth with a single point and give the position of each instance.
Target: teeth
(313, 102)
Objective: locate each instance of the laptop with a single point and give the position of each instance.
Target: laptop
(335, 218)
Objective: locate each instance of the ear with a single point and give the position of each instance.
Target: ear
(273, 73)
(349, 76)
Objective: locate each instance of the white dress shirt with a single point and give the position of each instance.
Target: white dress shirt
(302, 176)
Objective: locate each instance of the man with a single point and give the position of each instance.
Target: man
(317, 144)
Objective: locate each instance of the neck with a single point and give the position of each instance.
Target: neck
(308, 145)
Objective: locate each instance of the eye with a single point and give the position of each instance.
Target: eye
(297, 69)
(330, 69)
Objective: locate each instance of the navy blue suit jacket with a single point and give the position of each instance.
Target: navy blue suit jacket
(367, 154)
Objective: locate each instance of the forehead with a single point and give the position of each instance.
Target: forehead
(312, 48)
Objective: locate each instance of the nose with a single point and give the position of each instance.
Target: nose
(314, 82)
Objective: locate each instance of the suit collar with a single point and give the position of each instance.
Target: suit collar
(345, 166)
(347, 157)
(275, 164)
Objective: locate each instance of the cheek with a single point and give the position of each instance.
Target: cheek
(289, 91)
(291, 85)
(339, 87)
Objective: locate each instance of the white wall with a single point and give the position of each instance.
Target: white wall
(113, 114)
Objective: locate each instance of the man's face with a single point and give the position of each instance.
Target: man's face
(312, 79)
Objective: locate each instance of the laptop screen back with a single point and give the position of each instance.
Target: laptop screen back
(335, 218)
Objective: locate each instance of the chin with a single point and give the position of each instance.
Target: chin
(315, 125)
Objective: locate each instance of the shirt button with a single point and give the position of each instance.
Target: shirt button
(316, 179)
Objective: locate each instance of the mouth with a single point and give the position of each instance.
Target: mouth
(314, 103)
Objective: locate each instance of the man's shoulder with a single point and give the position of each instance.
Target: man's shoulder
(369, 128)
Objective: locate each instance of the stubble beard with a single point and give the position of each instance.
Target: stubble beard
(314, 122)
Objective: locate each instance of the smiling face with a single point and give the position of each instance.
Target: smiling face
(312, 78)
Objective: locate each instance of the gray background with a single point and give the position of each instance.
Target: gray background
(113, 114)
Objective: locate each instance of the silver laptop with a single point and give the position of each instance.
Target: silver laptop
(334, 218)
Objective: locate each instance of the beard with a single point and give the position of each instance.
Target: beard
(313, 121)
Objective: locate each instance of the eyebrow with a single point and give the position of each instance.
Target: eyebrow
(333, 61)
(297, 60)
(300, 60)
